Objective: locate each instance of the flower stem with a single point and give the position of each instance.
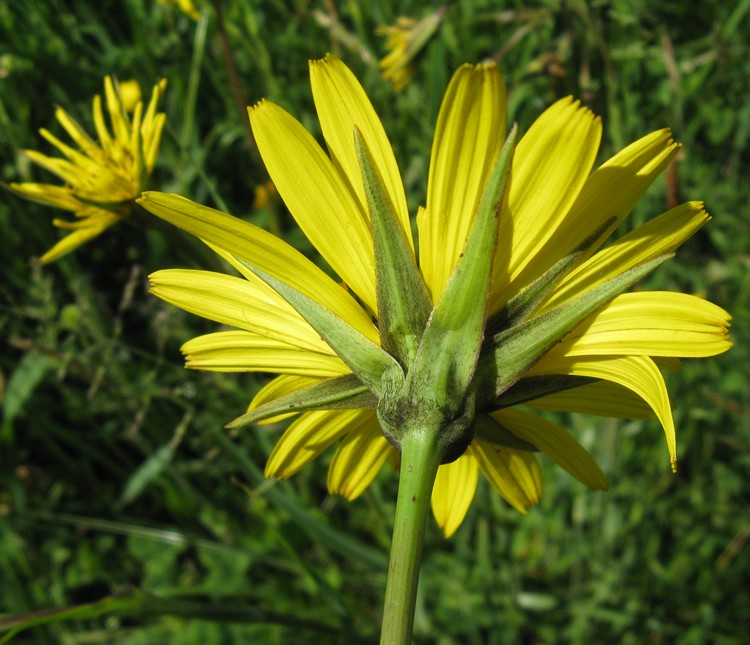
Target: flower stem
(420, 458)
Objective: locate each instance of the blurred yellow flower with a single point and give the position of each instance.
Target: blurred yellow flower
(558, 213)
(130, 94)
(264, 194)
(404, 41)
(186, 6)
(102, 178)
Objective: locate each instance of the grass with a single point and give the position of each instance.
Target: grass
(121, 495)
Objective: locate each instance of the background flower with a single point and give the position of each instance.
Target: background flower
(103, 176)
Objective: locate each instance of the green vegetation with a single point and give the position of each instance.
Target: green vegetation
(127, 508)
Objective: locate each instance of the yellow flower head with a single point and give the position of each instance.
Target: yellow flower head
(264, 195)
(404, 41)
(186, 6)
(548, 259)
(102, 177)
(130, 94)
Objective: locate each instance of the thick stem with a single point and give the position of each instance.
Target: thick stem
(420, 458)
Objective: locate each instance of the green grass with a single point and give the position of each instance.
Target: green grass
(116, 478)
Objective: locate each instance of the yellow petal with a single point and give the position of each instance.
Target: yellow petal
(237, 302)
(610, 192)
(135, 147)
(359, 458)
(342, 104)
(276, 388)
(243, 351)
(660, 236)
(317, 196)
(637, 373)
(654, 323)
(601, 398)
(81, 236)
(62, 168)
(152, 126)
(556, 443)
(117, 117)
(550, 167)
(76, 132)
(308, 436)
(263, 250)
(83, 161)
(468, 137)
(454, 489)
(102, 132)
(513, 473)
(48, 194)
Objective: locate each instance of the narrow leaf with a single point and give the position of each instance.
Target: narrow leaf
(404, 304)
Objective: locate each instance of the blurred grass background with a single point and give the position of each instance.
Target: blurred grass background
(116, 478)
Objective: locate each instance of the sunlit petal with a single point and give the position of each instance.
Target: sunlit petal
(550, 167)
(468, 137)
(342, 104)
(653, 323)
(237, 302)
(318, 197)
(244, 351)
(263, 250)
(610, 192)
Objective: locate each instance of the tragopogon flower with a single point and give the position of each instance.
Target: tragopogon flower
(102, 178)
(404, 41)
(549, 273)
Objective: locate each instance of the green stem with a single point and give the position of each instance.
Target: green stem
(420, 458)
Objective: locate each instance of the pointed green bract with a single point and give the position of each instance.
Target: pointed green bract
(440, 381)
(403, 302)
(518, 348)
(368, 361)
(518, 307)
(450, 347)
(338, 393)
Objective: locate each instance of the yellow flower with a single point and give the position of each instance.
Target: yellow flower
(264, 195)
(404, 41)
(186, 6)
(102, 178)
(556, 208)
(130, 94)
